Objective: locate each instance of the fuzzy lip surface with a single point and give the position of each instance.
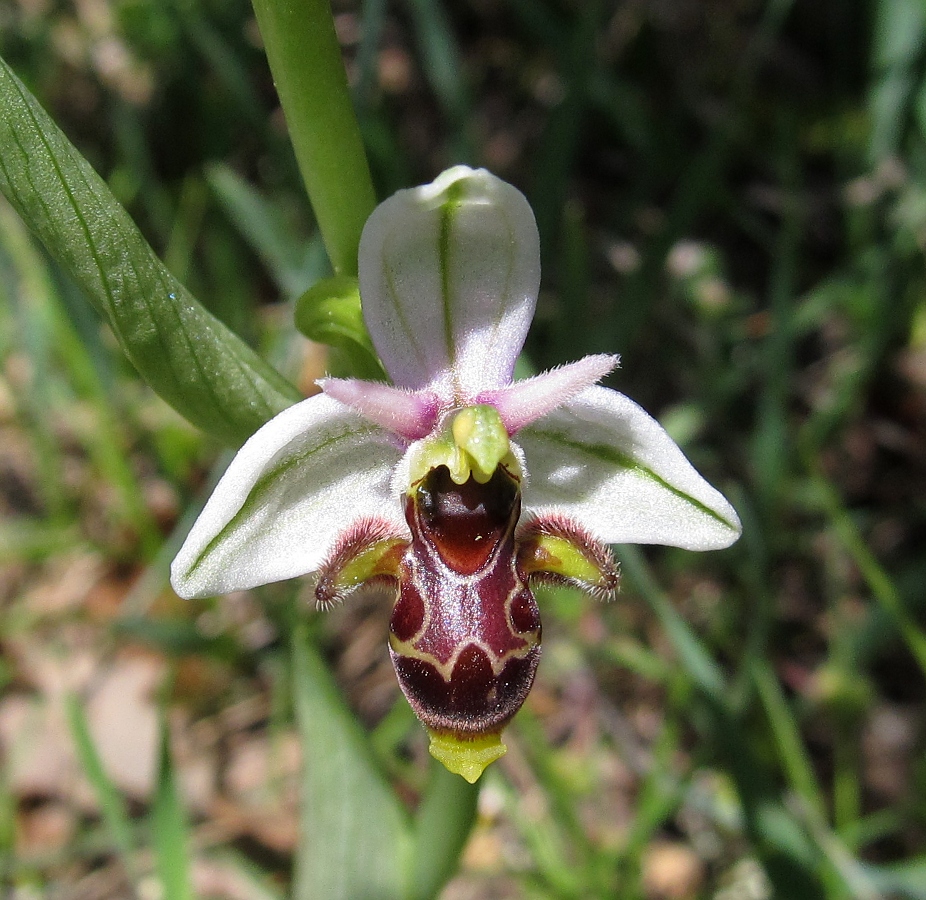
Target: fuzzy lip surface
(465, 630)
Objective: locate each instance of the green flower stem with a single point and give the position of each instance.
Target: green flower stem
(305, 59)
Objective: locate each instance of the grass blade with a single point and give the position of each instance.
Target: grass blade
(692, 654)
(355, 842)
(442, 826)
(791, 749)
(112, 806)
(879, 582)
(286, 258)
(169, 830)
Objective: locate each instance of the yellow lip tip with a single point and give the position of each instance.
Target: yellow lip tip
(467, 757)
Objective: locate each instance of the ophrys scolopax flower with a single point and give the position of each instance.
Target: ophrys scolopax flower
(456, 485)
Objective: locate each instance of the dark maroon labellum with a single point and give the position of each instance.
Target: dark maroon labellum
(465, 631)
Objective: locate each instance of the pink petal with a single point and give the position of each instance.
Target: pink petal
(405, 413)
(525, 401)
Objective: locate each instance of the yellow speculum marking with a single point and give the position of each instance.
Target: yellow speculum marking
(497, 661)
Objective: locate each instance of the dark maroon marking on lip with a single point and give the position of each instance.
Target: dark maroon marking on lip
(525, 615)
(474, 700)
(465, 522)
(408, 613)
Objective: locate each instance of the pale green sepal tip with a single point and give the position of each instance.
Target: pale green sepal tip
(467, 757)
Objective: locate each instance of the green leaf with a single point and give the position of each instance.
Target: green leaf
(187, 355)
(355, 841)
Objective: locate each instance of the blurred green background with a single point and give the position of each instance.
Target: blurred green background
(732, 195)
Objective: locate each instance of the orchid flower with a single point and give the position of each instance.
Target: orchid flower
(455, 485)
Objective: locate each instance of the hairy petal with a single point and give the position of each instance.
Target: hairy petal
(528, 400)
(449, 274)
(607, 464)
(408, 414)
(300, 481)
